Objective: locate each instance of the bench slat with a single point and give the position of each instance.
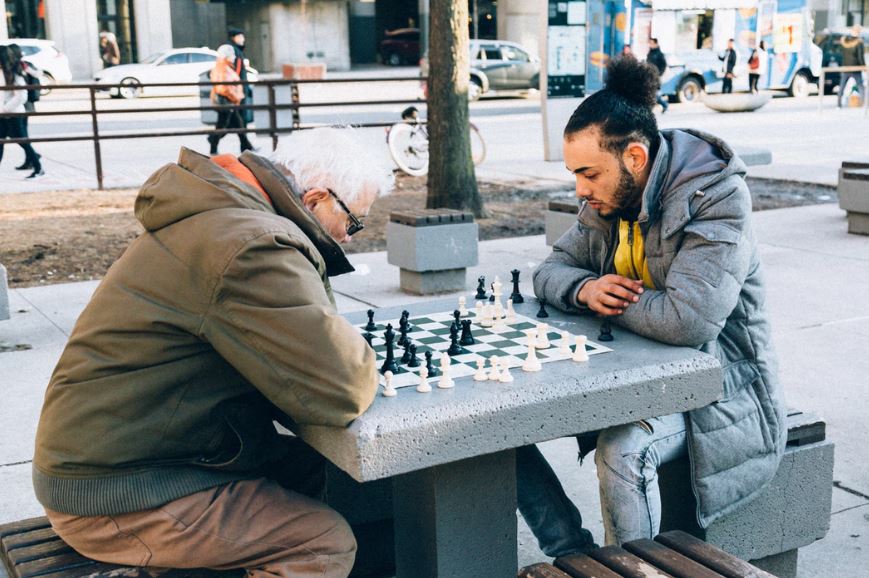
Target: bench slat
(53, 564)
(22, 526)
(25, 539)
(626, 564)
(541, 570)
(710, 556)
(805, 428)
(99, 570)
(582, 566)
(669, 560)
(44, 550)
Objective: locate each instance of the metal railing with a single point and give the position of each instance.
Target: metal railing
(271, 106)
(837, 69)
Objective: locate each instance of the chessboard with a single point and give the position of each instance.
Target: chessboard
(432, 333)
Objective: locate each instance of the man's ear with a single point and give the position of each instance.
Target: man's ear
(313, 197)
(636, 157)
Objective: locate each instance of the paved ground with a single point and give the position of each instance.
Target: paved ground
(822, 338)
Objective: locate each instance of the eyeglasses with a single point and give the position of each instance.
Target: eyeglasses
(355, 224)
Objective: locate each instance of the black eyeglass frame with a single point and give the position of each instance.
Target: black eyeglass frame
(355, 224)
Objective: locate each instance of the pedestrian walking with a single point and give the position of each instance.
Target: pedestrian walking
(852, 55)
(657, 59)
(227, 94)
(627, 52)
(757, 66)
(13, 102)
(110, 53)
(237, 41)
(728, 64)
(32, 76)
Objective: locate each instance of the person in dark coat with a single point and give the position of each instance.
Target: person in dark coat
(729, 62)
(237, 41)
(852, 55)
(657, 59)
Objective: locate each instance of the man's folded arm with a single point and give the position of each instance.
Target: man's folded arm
(560, 277)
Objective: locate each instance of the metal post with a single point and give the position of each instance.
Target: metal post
(294, 92)
(821, 84)
(273, 116)
(97, 153)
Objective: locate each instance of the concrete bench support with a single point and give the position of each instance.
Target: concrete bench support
(560, 216)
(791, 512)
(433, 249)
(854, 195)
(4, 295)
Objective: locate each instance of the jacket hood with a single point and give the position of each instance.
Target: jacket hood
(687, 161)
(195, 184)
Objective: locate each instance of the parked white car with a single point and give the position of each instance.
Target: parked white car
(45, 56)
(176, 65)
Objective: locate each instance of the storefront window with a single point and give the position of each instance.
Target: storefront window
(25, 18)
(116, 16)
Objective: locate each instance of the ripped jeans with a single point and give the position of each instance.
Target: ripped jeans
(627, 458)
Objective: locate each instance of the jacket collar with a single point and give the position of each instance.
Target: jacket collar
(286, 195)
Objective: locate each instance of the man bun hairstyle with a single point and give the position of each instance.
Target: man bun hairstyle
(622, 111)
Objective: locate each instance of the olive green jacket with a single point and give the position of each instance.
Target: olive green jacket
(215, 321)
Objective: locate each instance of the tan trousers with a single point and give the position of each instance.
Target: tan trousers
(253, 524)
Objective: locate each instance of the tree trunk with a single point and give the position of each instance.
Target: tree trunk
(452, 183)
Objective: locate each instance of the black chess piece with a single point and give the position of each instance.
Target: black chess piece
(389, 363)
(432, 370)
(368, 337)
(606, 332)
(492, 296)
(467, 338)
(402, 329)
(458, 317)
(455, 348)
(406, 316)
(405, 358)
(542, 311)
(516, 296)
(371, 326)
(414, 360)
(481, 288)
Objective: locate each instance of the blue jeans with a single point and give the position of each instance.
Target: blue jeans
(627, 458)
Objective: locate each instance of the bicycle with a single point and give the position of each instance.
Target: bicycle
(408, 143)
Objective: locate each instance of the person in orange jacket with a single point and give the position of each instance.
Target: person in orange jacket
(224, 94)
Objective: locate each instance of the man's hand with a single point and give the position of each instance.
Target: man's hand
(610, 294)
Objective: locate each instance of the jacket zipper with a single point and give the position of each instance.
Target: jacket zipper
(631, 249)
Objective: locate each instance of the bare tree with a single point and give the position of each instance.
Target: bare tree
(451, 180)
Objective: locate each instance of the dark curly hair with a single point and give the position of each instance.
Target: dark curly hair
(623, 109)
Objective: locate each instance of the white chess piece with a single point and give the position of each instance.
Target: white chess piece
(478, 310)
(388, 390)
(511, 313)
(499, 324)
(506, 377)
(495, 373)
(480, 375)
(564, 349)
(543, 336)
(445, 382)
(531, 362)
(580, 354)
(487, 320)
(423, 386)
(463, 311)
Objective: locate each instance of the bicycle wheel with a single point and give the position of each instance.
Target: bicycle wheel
(408, 145)
(478, 146)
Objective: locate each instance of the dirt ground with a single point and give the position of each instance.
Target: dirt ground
(58, 237)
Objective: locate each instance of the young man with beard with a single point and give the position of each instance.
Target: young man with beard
(664, 248)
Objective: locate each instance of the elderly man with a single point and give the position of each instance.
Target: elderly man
(156, 445)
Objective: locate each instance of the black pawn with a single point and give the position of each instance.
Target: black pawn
(432, 370)
(406, 316)
(516, 296)
(455, 348)
(606, 332)
(368, 337)
(389, 363)
(492, 296)
(458, 317)
(542, 311)
(414, 360)
(467, 338)
(481, 288)
(402, 336)
(405, 358)
(371, 326)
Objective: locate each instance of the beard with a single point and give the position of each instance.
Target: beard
(626, 198)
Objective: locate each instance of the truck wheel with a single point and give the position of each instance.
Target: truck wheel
(801, 85)
(690, 90)
(475, 89)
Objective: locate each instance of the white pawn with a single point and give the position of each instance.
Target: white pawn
(505, 374)
(487, 320)
(423, 386)
(531, 362)
(445, 382)
(463, 311)
(388, 390)
(480, 375)
(511, 313)
(495, 373)
(580, 354)
(478, 309)
(565, 344)
(499, 325)
(543, 336)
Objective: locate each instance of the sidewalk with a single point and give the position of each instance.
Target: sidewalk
(815, 274)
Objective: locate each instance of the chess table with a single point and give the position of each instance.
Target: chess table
(450, 453)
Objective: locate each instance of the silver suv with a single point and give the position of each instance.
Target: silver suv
(498, 65)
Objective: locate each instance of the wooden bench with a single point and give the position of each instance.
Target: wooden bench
(671, 554)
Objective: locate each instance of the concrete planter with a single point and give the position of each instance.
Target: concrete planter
(560, 216)
(854, 197)
(736, 102)
(4, 295)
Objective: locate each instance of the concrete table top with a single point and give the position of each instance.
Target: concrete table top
(639, 379)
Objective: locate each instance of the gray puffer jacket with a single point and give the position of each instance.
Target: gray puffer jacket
(702, 256)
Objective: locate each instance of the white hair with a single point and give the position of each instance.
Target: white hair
(226, 51)
(333, 158)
